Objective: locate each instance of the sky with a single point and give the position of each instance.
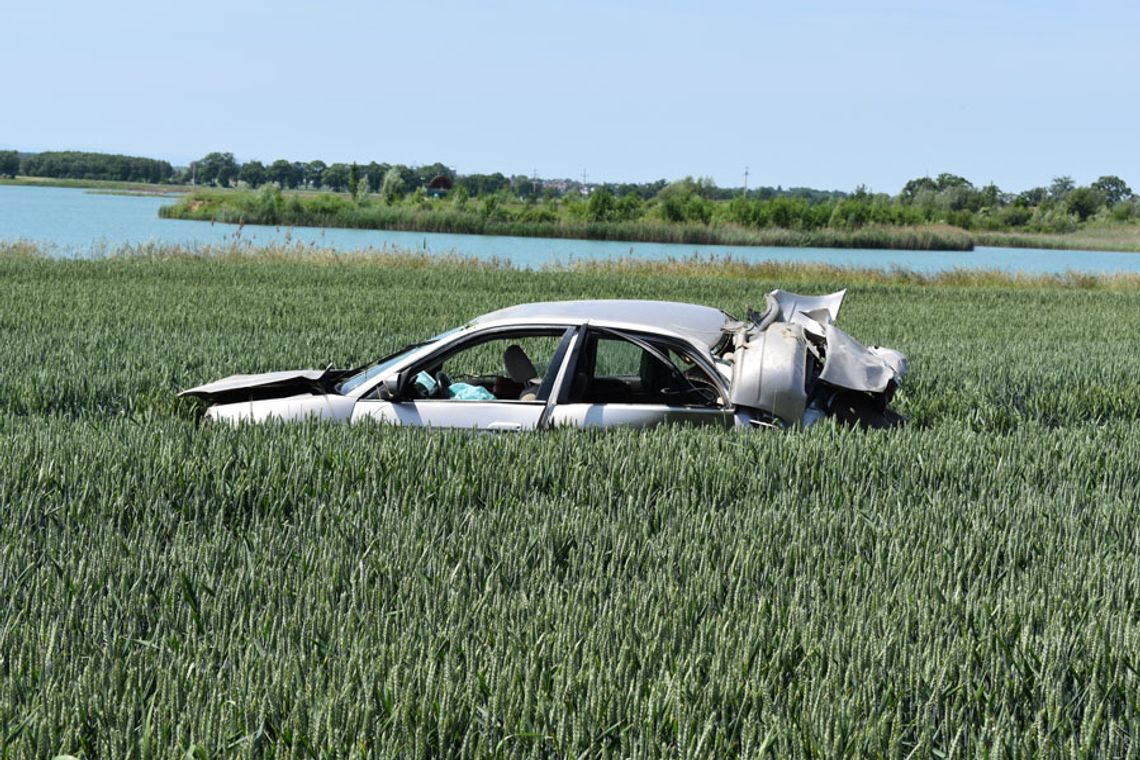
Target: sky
(811, 93)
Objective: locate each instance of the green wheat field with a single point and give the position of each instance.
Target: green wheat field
(966, 586)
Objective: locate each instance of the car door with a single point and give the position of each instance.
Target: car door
(491, 398)
(620, 378)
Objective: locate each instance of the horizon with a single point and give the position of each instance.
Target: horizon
(1014, 95)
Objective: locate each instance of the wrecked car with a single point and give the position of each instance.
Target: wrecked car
(598, 363)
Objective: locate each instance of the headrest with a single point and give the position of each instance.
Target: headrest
(518, 365)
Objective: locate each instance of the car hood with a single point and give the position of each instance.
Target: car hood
(268, 385)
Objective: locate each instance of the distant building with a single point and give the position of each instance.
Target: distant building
(439, 186)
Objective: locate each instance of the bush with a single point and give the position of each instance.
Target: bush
(1084, 202)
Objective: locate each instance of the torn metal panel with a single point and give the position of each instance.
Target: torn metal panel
(823, 309)
(770, 371)
(793, 352)
(848, 364)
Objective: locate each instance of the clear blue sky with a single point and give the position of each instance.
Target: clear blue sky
(819, 93)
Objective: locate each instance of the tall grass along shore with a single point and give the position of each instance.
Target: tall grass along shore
(963, 586)
(330, 210)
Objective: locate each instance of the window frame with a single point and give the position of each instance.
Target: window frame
(644, 341)
(562, 333)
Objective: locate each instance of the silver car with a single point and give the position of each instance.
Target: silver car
(597, 364)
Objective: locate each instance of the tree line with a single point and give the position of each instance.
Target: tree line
(223, 170)
(82, 165)
(946, 198)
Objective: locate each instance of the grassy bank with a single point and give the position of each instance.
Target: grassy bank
(329, 210)
(170, 588)
(1124, 238)
(133, 188)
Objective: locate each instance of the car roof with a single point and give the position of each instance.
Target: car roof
(701, 324)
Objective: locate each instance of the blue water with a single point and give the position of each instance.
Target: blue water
(79, 224)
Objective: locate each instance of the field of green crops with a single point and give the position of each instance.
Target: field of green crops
(966, 586)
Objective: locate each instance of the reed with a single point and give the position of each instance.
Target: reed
(268, 206)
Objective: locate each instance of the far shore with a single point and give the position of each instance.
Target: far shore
(1121, 238)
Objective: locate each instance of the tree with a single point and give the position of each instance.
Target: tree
(9, 163)
(992, 196)
(1034, 196)
(252, 173)
(705, 187)
(81, 165)
(313, 174)
(523, 186)
(483, 184)
(375, 173)
(681, 201)
(218, 169)
(284, 173)
(353, 178)
(408, 175)
(600, 208)
(630, 207)
(335, 177)
(215, 169)
(912, 188)
(1113, 189)
(946, 180)
(459, 197)
(1060, 187)
(392, 188)
(1084, 202)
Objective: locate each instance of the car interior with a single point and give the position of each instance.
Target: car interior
(610, 369)
(614, 370)
(503, 367)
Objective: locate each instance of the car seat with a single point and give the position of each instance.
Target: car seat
(521, 370)
(655, 376)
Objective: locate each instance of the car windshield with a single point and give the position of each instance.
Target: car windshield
(379, 367)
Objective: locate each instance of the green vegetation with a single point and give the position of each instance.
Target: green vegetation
(567, 219)
(947, 214)
(101, 187)
(77, 165)
(962, 586)
(9, 163)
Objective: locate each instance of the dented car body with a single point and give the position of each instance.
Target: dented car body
(598, 364)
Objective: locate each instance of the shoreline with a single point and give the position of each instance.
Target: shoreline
(1124, 238)
(337, 211)
(327, 210)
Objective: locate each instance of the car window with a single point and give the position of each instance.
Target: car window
(351, 383)
(506, 367)
(617, 358)
(380, 366)
(616, 370)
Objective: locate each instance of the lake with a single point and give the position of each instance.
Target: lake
(77, 223)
